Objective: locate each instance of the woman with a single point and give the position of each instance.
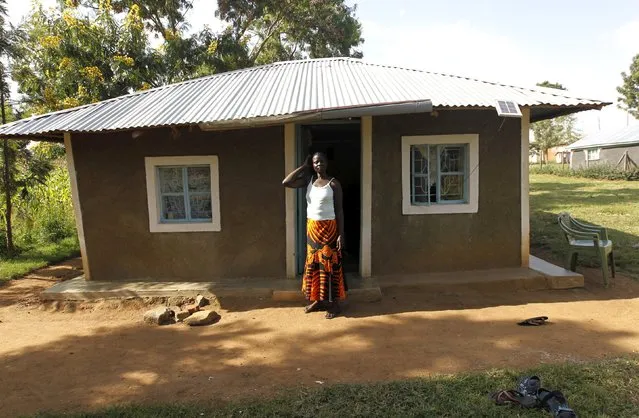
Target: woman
(323, 282)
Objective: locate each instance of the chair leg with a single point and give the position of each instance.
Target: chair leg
(604, 267)
(612, 263)
(571, 261)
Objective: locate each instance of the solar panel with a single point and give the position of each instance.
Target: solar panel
(508, 108)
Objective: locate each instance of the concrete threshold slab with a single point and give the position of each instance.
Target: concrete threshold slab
(557, 277)
(79, 289)
(359, 290)
(540, 276)
(491, 279)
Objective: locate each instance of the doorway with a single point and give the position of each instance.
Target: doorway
(341, 142)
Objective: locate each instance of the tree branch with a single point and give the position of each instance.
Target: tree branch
(270, 32)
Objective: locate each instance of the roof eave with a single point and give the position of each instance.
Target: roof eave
(544, 112)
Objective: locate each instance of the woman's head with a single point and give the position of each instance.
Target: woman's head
(320, 162)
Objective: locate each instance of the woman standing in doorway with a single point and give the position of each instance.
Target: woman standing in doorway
(323, 282)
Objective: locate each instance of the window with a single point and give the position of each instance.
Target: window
(592, 154)
(440, 174)
(183, 193)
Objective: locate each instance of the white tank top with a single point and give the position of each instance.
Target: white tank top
(319, 202)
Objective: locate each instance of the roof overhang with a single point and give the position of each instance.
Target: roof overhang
(539, 113)
(385, 109)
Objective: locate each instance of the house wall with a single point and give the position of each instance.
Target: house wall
(112, 189)
(606, 156)
(413, 244)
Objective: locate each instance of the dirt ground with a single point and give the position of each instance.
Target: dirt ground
(71, 357)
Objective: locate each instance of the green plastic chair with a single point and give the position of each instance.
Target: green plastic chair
(580, 235)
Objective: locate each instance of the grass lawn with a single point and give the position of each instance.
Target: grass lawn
(601, 389)
(37, 257)
(613, 204)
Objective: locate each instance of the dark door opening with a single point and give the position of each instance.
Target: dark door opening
(342, 145)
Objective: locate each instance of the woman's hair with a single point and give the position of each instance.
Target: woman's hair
(321, 154)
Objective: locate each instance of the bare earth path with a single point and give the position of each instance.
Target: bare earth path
(79, 357)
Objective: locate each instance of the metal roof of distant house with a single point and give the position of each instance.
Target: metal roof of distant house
(626, 136)
(285, 91)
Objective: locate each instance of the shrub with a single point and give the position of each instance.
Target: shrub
(598, 172)
(45, 215)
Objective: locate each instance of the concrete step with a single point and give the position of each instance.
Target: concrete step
(359, 290)
(540, 276)
(557, 277)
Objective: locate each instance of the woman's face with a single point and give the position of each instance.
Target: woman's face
(319, 163)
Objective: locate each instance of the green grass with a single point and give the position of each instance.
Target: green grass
(613, 204)
(36, 257)
(602, 389)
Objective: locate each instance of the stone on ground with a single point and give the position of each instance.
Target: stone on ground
(192, 309)
(202, 318)
(201, 301)
(159, 316)
(182, 315)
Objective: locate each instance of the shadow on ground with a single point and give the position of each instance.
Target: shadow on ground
(249, 356)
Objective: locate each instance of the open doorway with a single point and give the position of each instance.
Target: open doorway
(341, 142)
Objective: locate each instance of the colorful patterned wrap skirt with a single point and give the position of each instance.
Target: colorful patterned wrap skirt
(323, 275)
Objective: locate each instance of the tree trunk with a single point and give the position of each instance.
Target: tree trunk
(6, 177)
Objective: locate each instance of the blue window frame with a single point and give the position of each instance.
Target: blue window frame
(439, 174)
(184, 193)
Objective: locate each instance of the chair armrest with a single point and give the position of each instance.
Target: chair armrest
(603, 233)
(577, 234)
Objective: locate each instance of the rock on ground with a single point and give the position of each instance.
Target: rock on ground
(159, 316)
(201, 301)
(202, 318)
(182, 315)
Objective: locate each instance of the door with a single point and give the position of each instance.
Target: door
(341, 142)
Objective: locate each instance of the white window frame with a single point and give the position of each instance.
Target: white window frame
(472, 206)
(153, 198)
(597, 151)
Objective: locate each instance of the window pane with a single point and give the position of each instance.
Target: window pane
(200, 206)
(452, 187)
(419, 174)
(199, 179)
(452, 159)
(420, 189)
(419, 161)
(171, 180)
(173, 208)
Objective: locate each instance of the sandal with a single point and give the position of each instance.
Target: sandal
(536, 321)
(506, 397)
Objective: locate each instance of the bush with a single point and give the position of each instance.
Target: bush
(598, 172)
(46, 214)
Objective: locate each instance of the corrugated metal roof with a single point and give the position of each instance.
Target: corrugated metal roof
(626, 136)
(285, 89)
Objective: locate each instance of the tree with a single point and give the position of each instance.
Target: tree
(272, 30)
(5, 52)
(90, 50)
(629, 90)
(70, 57)
(555, 132)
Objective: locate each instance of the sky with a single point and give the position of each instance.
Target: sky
(582, 44)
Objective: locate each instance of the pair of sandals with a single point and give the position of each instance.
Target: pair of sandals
(534, 322)
(530, 394)
(332, 310)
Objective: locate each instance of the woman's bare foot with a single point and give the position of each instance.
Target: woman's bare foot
(333, 310)
(312, 307)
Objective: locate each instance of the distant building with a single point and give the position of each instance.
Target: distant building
(617, 148)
